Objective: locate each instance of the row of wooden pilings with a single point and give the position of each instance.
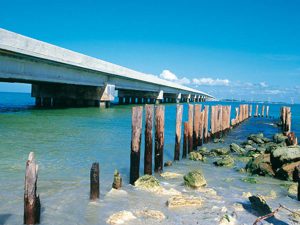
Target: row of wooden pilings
(262, 114)
(196, 132)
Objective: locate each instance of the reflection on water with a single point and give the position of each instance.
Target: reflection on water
(66, 143)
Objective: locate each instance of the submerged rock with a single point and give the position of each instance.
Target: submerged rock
(221, 151)
(227, 220)
(194, 179)
(153, 214)
(196, 156)
(259, 204)
(236, 148)
(226, 161)
(250, 180)
(184, 201)
(168, 163)
(120, 217)
(218, 140)
(170, 175)
(295, 217)
(260, 165)
(148, 183)
(279, 138)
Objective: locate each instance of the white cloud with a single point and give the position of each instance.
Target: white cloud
(184, 80)
(263, 84)
(211, 82)
(168, 75)
(274, 92)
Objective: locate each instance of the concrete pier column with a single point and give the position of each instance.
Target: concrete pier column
(38, 101)
(127, 100)
(121, 100)
(139, 100)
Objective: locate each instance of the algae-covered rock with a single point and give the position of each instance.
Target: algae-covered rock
(293, 190)
(249, 148)
(227, 220)
(260, 165)
(148, 213)
(295, 217)
(196, 156)
(218, 140)
(248, 142)
(148, 183)
(259, 204)
(257, 138)
(285, 155)
(194, 179)
(250, 180)
(184, 201)
(204, 151)
(120, 217)
(236, 148)
(226, 161)
(266, 140)
(221, 151)
(279, 138)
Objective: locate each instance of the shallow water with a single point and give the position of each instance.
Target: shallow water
(67, 141)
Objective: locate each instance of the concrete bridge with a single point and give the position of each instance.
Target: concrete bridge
(61, 77)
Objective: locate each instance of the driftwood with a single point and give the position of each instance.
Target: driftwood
(32, 206)
(259, 219)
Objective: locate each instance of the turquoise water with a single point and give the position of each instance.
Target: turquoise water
(67, 141)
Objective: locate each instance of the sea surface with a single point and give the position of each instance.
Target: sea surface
(67, 141)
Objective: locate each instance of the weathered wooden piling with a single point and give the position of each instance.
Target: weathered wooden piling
(256, 111)
(250, 111)
(201, 126)
(286, 119)
(213, 121)
(190, 127)
(117, 183)
(297, 171)
(291, 139)
(136, 135)
(196, 126)
(185, 139)
(205, 124)
(32, 206)
(148, 139)
(94, 182)
(179, 110)
(262, 111)
(159, 137)
(267, 111)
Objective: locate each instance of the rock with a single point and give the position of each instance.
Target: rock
(261, 149)
(250, 180)
(244, 159)
(218, 140)
(221, 151)
(256, 138)
(286, 172)
(236, 148)
(226, 161)
(120, 217)
(227, 220)
(279, 138)
(238, 207)
(271, 146)
(148, 183)
(170, 175)
(184, 201)
(285, 155)
(196, 156)
(295, 217)
(242, 170)
(168, 163)
(194, 179)
(249, 148)
(259, 204)
(115, 192)
(170, 191)
(293, 190)
(153, 214)
(117, 183)
(260, 165)
(248, 142)
(272, 195)
(266, 140)
(246, 194)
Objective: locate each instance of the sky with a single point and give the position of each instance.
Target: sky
(237, 49)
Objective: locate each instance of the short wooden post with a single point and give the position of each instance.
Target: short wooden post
(32, 206)
(196, 126)
(136, 135)
(117, 183)
(185, 139)
(205, 125)
(148, 139)
(159, 138)
(190, 133)
(94, 182)
(179, 110)
(262, 111)
(256, 111)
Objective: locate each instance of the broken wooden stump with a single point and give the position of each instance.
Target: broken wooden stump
(159, 138)
(32, 205)
(291, 139)
(136, 135)
(94, 182)
(117, 183)
(179, 110)
(148, 140)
